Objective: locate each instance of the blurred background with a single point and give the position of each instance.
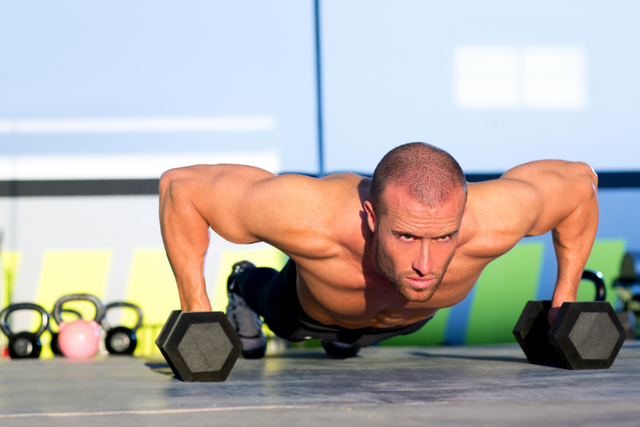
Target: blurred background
(98, 99)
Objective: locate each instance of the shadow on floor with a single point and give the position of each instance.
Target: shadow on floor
(161, 368)
(483, 358)
(301, 355)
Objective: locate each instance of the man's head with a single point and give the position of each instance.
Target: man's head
(418, 196)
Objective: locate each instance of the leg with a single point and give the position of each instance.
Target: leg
(254, 292)
(245, 278)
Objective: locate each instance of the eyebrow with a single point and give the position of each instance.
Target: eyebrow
(408, 233)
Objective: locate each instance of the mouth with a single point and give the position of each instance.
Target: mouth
(420, 283)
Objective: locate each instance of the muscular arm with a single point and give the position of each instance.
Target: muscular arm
(191, 200)
(561, 197)
(242, 204)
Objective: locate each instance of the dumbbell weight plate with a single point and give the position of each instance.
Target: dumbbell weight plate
(587, 335)
(531, 333)
(162, 337)
(200, 346)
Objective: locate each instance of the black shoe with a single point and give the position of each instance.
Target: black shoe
(340, 350)
(244, 320)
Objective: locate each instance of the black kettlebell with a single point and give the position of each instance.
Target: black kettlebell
(54, 335)
(24, 345)
(121, 340)
(598, 280)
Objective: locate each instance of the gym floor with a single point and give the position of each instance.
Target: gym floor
(483, 385)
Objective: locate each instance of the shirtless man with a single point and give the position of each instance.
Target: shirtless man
(369, 258)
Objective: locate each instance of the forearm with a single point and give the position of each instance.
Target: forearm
(185, 234)
(573, 239)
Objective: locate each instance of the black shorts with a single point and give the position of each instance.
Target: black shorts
(274, 296)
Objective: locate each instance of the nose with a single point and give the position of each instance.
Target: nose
(422, 263)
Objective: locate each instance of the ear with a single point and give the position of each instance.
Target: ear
(371, 217)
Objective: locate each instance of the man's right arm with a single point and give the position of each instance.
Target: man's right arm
(192, 199)
(243, 205)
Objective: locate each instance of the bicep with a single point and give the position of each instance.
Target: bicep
(244, 205)
(547, 192)
(219, 193)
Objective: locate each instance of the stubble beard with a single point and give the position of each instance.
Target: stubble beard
(413, 295)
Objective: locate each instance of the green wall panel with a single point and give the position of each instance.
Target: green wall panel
(502, 290)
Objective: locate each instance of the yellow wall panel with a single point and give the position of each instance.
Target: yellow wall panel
(152, 287)
(10, 261)
(71, 272)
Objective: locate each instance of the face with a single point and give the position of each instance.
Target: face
(414, 244)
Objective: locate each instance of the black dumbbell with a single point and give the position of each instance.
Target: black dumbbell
(583, 335)
(199, 345)
(24, 344)
(55, 349)
(121, 340)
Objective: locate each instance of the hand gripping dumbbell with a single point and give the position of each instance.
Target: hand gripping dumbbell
(55, 348)
(199, 345)
(24, 344)
(583, 335)
(121, 340)
(80, 338)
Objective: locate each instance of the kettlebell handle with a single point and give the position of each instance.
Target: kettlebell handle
(597, 278)
(57, 308)
(62, 311)
(4, 323)
(137, 309)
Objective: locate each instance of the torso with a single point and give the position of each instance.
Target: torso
(345, 288)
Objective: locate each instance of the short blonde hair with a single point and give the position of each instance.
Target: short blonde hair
(430, 174)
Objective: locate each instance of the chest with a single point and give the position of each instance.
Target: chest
(353, 295)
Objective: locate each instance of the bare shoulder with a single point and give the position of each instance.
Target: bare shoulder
(298, 214)
(304, 216)
(528, 200)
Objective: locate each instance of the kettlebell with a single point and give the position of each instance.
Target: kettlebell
(598, 280)
(24, 344)
(121, 340)
(55, 348)
(80, 338)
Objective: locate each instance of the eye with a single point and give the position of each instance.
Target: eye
(406, 237)
(444, 238)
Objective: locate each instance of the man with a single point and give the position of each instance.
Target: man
(369, 259)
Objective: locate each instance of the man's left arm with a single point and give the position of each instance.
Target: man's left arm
(569, 208)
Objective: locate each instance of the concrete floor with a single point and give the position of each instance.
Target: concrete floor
(488, 385)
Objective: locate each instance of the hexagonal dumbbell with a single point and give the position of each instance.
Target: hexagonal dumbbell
(583, 335)
(199, 345)
(587, 335)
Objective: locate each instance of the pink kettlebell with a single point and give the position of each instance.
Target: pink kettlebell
(80, 338)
